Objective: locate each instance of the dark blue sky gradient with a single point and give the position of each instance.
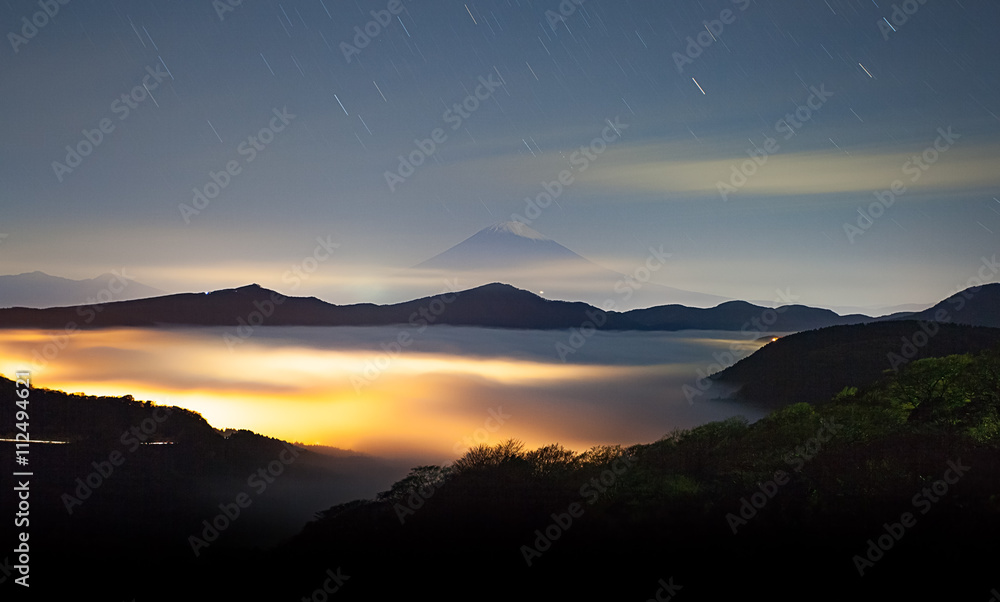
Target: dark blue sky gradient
(324, 174)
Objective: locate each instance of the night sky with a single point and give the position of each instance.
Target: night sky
(837, 100)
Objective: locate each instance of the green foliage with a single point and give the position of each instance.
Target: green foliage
(715, 435)
(850, 465)
(959, 393)
(846, 395)
(987, 428)
(886, 439)
(602, 455)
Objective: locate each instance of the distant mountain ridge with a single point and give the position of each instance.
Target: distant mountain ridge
(494, 305)
(491, 306)
(734, 315)
(38, 289)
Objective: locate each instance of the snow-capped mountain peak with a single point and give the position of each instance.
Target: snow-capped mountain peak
(515, 228)
(514, 253)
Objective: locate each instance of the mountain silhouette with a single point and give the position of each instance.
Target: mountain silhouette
(494, 305)
(505, 245)
(514, 252)
(736, 315)
(816, 365)
(975, 306)
(38, 289)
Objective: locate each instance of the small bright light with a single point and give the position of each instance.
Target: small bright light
(774, 339)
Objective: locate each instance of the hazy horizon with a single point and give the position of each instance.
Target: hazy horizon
(640, 295)
(352, 388)
(762, 156)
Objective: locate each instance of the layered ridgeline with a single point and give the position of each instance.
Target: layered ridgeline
(812, 366)
(857, 496)
(515, 253)
(142, 487)
(493, 305)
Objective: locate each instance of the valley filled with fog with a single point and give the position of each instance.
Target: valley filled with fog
(420, 394)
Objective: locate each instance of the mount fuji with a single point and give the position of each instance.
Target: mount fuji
(514, 253)
(504, 245)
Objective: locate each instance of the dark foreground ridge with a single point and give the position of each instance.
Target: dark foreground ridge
(813, 366)
(888, 490)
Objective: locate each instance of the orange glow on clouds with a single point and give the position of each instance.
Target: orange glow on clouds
(421, 403)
